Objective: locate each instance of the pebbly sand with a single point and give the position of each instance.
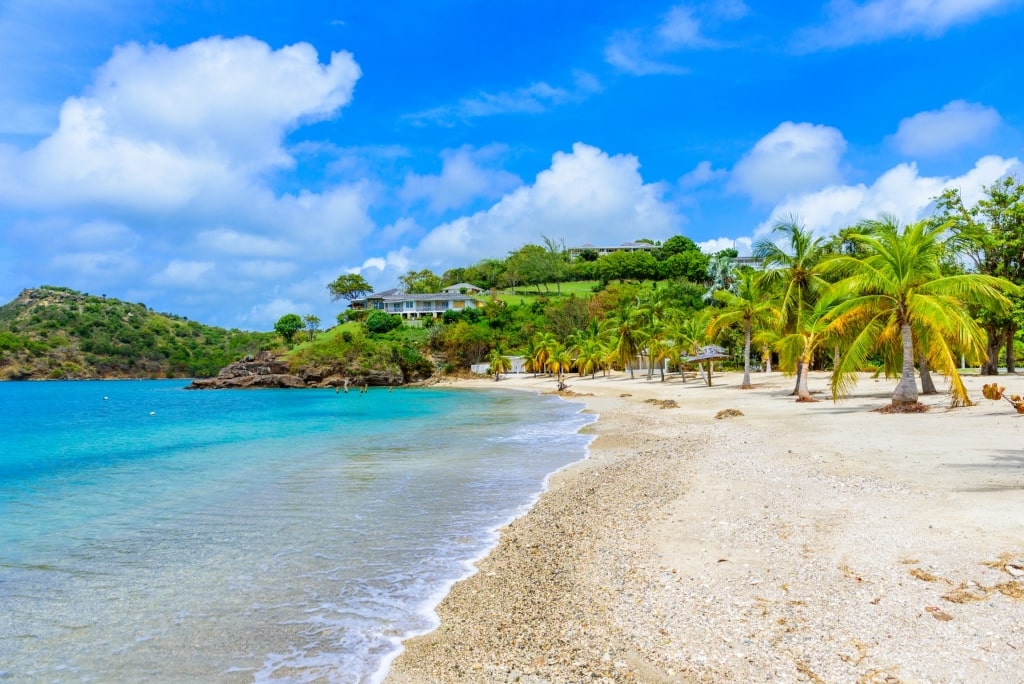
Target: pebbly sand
(819, 542)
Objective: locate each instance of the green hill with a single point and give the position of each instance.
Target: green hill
(56, 332)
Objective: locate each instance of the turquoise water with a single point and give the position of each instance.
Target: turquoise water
(148, 533)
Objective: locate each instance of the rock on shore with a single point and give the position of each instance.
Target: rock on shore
(268, 371)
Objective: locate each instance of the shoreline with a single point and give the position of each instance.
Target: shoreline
(797, 542)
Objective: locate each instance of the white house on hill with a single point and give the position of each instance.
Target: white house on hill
(417, 306)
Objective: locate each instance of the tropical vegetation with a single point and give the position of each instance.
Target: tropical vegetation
(899, 300)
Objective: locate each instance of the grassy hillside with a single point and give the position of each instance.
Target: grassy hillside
(55, 332)
(530, 294)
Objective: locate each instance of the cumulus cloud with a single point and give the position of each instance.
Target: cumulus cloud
(586, 195)
(743, 245)
(794, 158)
(643, 52)
(901, 192)
(851, 23)
(466, 174)
(702, 174)
(956, 125)
(170, 150)
(161, 124)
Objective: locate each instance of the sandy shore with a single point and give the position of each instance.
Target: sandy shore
(813, 542)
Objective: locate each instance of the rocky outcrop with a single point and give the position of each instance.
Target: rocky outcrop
(262, 370)
(266, 370)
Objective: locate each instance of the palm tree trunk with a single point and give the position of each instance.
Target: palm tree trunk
(799, 376)
(991, 365)
(746, 359)
(927, 386)
(1011, 357)
(906, 389)
(803, 392)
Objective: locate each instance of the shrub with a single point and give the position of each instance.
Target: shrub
(379, 322)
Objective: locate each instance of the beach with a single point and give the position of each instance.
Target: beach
(820, 542)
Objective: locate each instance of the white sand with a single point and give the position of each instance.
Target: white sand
(797, 542)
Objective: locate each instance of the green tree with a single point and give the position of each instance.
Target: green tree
(288, 325)
(795, 272)
(991, 235)
(349, 286)
(899, 288)
(748, 309)
(625, 329)
(312, 323)
(499, 363)
(424, 281)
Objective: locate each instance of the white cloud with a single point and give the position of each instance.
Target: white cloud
(227, 241)
(936, 132)
(901, 192)
(702, 174)
(681, 29)
(465, 176)
(92, 269)
(532, 99)
(162, 126)
(792, 159)
(266, 269)
(629, 52)
(270, 312)
(186, 274)
(851, 23)
(643, 52)
(585, 196)
(742, 245)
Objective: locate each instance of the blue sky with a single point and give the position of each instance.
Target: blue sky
(225, 160)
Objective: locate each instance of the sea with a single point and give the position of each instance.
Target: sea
(152, 533)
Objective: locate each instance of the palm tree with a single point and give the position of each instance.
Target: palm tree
(559, 362)
(499, 363)
(721, 273)
(898, 291)
(543, 344)
(589, 356)
(688, 335)
(748, 308)
(625, 329)
(796, 273)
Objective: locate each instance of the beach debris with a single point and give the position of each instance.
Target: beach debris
(967, 593)
(923, 575)
(938, 613)
(902, 408)
(663, 403)
(1009, 563)
(624, 395)
(995, 392)
(728, 413)
(1012, 589)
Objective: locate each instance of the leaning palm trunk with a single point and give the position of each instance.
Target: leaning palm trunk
(927, 385)
(746, 360)
(906, 389)
(803, 393)
(800, 379)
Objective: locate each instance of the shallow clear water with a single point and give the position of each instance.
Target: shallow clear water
(151, 533)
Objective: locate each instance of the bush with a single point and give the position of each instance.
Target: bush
(380, 322)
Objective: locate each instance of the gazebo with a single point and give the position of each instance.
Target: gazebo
(709, 354)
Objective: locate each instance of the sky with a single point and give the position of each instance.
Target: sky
(225, 160)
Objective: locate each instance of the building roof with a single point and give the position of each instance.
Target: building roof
(396, 295)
